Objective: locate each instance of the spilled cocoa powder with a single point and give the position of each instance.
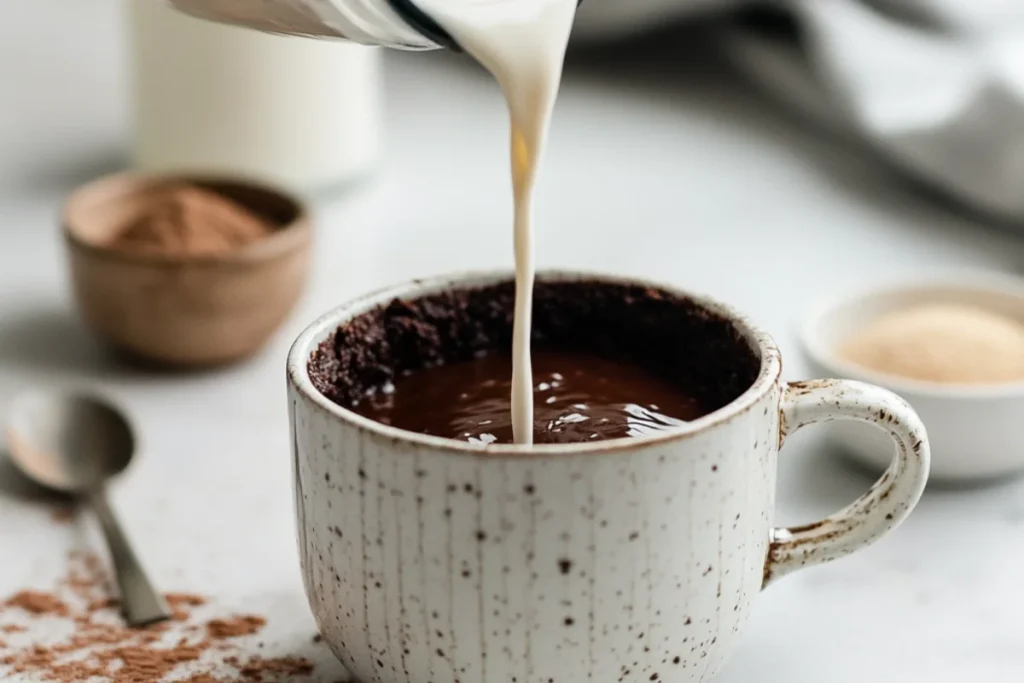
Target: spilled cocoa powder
(187, 220)
(97, 645)
(37, 602)
(238, 626)
(181, 602)
(258, 668)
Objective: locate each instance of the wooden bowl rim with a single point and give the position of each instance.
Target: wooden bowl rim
(286, 238)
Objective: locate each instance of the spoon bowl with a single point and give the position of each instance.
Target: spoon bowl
(69, 442)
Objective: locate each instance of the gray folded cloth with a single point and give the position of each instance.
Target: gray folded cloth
(935, 86)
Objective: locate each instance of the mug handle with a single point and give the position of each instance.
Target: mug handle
(878, 511)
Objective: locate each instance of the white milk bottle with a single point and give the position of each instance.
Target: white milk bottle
(207, 97)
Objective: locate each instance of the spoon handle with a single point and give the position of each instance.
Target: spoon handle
(141, 603)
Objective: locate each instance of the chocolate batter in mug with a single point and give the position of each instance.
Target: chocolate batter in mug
(578, 397)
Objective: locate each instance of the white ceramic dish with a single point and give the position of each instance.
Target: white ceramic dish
(976, 432)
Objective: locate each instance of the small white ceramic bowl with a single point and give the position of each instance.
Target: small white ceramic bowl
(976, 431)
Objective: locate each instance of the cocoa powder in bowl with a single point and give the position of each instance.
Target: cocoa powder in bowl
(186, 219)
(186, 272)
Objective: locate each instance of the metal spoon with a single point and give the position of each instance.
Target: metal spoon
(75, 444)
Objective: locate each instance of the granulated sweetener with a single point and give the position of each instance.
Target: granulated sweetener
(75, 633)
(946, 343)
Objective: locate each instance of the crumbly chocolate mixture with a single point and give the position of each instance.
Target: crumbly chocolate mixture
(675, 337)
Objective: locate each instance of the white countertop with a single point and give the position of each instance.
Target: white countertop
(676, 172)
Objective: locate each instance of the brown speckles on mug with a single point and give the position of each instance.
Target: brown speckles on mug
(887, 503)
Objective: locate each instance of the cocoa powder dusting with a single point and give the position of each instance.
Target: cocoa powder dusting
(233, 628)
(184, 600)
(201, 678)
(101, 647)
(180, 602)
(37, 602)
(260, 670)
(190, 220)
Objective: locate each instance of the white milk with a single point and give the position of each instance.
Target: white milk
(522, 43)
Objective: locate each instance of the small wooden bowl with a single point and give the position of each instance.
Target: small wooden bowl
(184, 310)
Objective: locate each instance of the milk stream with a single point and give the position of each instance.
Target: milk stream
(522, 43)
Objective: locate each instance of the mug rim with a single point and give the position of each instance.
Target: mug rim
(302, 348)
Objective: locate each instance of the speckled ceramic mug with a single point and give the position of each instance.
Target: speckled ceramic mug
(427, 560)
